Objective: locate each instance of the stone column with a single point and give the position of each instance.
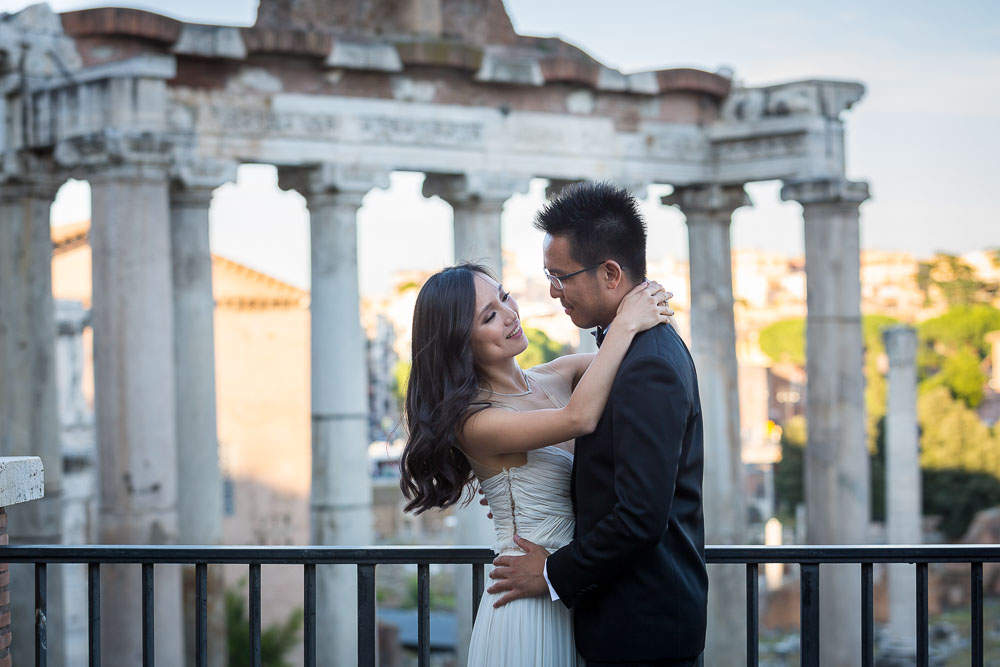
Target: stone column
(199, 500)
(709, 210)
(79, 468)
(836, 461)
(133, 324)
(29, 409)
(477, 201)
(341, 494)
(903, 498)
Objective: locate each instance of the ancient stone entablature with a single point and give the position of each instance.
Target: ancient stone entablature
(426, 85)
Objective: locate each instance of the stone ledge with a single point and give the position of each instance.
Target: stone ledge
(21, 479)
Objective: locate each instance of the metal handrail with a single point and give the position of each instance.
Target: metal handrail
(808, 557)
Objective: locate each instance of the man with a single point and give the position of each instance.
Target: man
(635, 573)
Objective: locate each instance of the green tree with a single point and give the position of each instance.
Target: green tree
(400, 376)
(952, 350)
(961, 326)
(962, 375)
(955, 495)
(785, 341)
(876, 385)
(955, 280)
(275, 640)
(541, 348)
(953, 436)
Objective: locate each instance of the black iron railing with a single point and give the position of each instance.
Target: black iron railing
(809, 558)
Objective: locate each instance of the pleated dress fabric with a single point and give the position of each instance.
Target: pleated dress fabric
(533, 501)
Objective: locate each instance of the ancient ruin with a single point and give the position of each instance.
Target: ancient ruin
(156, 113)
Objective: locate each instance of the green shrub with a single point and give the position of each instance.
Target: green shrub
(275, 640)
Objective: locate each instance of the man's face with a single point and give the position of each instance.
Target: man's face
(581, 295)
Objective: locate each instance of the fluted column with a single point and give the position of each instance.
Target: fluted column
(199, 503)
(836, 458)
(29, 417)
(903, 497)
(135, 400)
(709, 210)
(341, 494)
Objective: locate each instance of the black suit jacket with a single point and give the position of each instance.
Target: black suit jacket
(635, 573)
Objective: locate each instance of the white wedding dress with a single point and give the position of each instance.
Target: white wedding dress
(533, 501)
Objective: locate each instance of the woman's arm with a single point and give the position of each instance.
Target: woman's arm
(571, 367)
(496, 431)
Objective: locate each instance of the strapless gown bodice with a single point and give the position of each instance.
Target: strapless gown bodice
(532, 501)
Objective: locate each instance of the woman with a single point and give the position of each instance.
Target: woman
(474, 415)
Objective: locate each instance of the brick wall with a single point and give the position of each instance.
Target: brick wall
(4, 598)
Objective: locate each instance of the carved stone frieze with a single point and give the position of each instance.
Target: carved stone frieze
(253, 121)
(32, 41)
(113, 146)
(760, 148)
(678, 146)
(409, 131)
(825, 99)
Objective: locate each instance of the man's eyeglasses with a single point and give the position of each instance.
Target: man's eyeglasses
(557, 280)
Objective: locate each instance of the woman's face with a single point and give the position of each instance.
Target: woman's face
(496, 327)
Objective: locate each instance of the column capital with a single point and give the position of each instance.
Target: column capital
(196, 179)
(901, 344)
(352, 181)
(708, 199)
(23, 175)
(475, 187)
(557, 185)
(129, 172)
(825, 191)
(42, 186)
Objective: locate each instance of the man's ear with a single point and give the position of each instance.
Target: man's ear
(612, 273)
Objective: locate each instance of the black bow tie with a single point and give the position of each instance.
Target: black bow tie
(599, 335)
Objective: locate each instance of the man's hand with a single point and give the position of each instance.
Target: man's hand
(520, 576)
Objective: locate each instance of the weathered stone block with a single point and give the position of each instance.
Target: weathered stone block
(21, 479)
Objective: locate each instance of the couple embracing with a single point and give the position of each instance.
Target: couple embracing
(591, 464)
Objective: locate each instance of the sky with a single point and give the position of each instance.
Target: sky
(926, 136)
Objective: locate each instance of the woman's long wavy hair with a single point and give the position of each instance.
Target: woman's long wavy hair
(441, 392)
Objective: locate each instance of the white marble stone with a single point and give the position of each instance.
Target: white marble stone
(199, 504)
(380, 56)
(903, 494)
(501, 66)
(708, 210)
(21, 479)
(135, 400)
(340, 495)
(836, 460)
(210, 41)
